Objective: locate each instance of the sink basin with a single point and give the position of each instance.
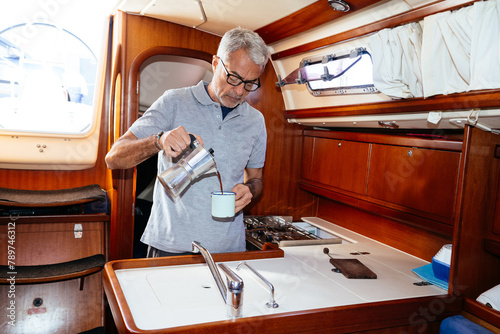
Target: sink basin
(163, 297)
(171, 296)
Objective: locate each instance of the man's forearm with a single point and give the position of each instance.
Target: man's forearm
(255, 185)
(128, 153)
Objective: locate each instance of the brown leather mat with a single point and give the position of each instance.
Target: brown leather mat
(353, 268)
(33, 198)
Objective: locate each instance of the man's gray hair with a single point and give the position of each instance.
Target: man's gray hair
(240, 38)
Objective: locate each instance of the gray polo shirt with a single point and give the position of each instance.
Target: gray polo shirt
(238, 141)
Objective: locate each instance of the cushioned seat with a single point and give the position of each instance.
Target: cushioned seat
(459, 325)
(53, 272)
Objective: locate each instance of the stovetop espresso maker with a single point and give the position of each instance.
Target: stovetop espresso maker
(195, 162)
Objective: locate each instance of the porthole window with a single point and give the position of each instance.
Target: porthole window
(335, 74)
(47, 80)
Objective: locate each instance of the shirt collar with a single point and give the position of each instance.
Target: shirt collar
(201, 94)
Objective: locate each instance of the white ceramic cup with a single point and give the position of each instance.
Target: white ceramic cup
(223, 204)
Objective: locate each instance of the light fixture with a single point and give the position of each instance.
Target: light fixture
(339, 5)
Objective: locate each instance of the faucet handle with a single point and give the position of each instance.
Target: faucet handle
(234, 282)
(234, 302)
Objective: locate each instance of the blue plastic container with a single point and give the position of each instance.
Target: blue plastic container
(441, 270)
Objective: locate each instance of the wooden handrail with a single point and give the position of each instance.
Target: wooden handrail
(467, 101)
(311, 16)
(407, 17)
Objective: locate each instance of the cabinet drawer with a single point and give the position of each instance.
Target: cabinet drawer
(336, 163)
(421, 179)
(51, 242)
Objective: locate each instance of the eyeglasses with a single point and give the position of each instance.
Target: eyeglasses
(235, 80)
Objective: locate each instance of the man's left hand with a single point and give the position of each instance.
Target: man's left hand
(243, 196)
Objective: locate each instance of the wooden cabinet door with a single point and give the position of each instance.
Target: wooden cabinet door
(336, 163)
(421, 179)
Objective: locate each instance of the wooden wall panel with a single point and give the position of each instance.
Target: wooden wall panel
(410, 239)
(315, 14)
(65, 308)
(281, 194)
(474, 269)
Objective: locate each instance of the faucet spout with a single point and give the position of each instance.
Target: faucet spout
(213, 269)
(234, 304)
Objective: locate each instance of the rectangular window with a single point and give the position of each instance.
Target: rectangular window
(347, 73)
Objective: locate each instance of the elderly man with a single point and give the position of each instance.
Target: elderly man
(217, 114)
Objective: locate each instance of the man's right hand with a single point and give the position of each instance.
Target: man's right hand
(174, 142)
(129, 151)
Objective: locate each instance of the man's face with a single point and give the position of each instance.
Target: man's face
(240, 65)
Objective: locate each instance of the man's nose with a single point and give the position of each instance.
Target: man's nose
(240, 89)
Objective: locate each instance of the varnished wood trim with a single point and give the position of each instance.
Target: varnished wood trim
(467, 101)
(437, 143)
(482, 311)
(417, 241)
(114, 108)
(433, 223)
(98, 217)
(193, 259)
(40, 205)
(38, 280)
(306, 18)
(469, 258)
(139, 60)
(407, 17)
(492, 247)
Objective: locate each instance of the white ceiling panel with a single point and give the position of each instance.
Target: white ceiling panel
(222, 15)
(187, 13)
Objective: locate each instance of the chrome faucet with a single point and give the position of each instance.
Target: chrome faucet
(272, 303)
(234, 287)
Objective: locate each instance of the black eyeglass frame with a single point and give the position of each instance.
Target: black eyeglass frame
(245, 82)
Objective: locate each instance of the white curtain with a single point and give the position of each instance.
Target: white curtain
(455, 52)
(396, 61)
(485, 53)
(445, 54)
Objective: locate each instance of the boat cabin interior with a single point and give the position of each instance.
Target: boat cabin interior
(380, 207)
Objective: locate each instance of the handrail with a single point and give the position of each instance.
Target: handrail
(469, 100)
(407, 17)
(115, 73)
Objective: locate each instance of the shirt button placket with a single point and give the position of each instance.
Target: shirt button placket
(218, 116)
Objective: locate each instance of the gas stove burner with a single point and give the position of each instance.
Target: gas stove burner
(279, 230)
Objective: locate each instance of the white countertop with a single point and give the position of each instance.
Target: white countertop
(162, 297)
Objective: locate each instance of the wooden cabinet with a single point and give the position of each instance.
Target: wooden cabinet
(47, 249)
(50, 240)
(410, 179)
(496, 223)
(476, 259)
(338, 163)
(418, 179)
(496, 219)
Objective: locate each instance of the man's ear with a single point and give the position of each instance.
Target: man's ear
(215, 63)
